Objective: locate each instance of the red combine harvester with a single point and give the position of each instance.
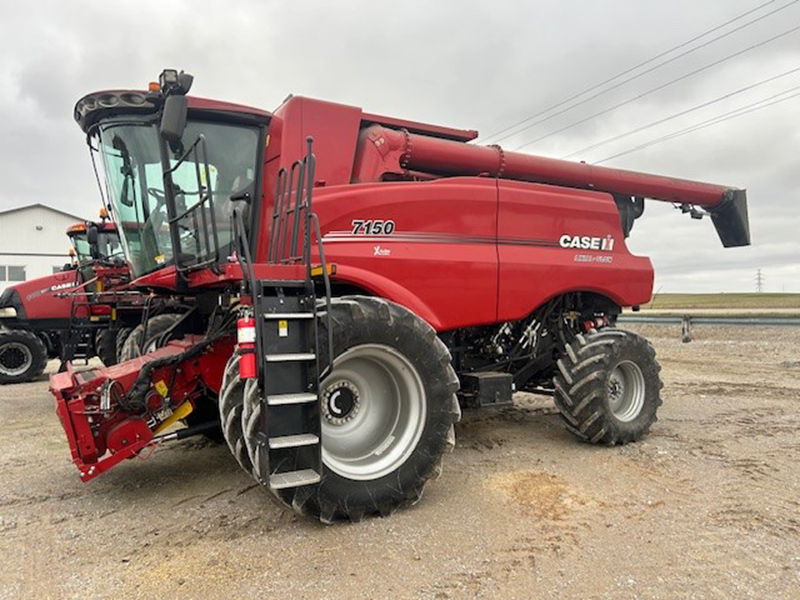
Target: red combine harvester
(341, 336)
(61, 315)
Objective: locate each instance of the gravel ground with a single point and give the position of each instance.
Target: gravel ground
(707, 506)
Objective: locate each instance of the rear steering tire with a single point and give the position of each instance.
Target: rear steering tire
(608, 387)
(23, 356)
(385, 434)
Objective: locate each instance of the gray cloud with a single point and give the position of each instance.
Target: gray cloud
(463, 63)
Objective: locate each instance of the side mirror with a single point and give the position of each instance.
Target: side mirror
(124, 195)
(173, 119)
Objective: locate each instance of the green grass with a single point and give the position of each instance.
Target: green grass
(670, 301)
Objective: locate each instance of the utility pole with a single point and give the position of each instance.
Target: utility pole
(759, 282)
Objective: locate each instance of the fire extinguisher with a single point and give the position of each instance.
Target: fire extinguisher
(246, 336)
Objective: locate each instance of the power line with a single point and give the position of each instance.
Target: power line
(681, 113)
(739, 112)
(638, 66)
(661, 87)
(759, 282)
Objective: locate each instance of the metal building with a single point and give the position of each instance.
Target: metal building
(33, 242)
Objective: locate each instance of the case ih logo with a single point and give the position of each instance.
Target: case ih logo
(587, 243)
(51, 289)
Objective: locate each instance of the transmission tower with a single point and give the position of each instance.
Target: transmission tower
(759, 282)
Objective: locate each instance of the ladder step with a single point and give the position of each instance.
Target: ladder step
(281, 481)
(291, 357)
(293, 441)
(282, 399)
(286, 316)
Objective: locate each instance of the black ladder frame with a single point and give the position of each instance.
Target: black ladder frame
(288, 336)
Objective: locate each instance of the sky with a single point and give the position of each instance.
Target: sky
(463, 63)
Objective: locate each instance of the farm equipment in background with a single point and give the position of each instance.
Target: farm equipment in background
(340, 337)
(82, 311)
(36, 315)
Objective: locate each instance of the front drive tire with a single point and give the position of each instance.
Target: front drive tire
(608, 387)
(402, 406)
(106, 346)
(231, 405)
(135, 342)
(122, 337)
(23, 356)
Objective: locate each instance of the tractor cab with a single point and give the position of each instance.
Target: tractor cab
(94, 245)
(174, 166)
(101, 244)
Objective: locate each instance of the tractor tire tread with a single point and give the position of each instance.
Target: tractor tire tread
(131, 348)
(396, 491)
(38, 354)
(580, 385)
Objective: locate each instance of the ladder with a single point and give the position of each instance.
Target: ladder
(290, 436)
(289, 448)
(77, 342)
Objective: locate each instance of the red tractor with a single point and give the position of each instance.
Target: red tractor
(37, 316)
(341, 337)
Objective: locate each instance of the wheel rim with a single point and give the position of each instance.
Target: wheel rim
(15, 359)
(626, 391)
(373, 412)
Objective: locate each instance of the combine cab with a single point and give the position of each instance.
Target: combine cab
(357, 279)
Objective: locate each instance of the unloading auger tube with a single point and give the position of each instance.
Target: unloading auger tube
(726, 205)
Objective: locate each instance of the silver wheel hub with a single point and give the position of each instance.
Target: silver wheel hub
(373, 408)
(15, 358)
(341, 402)
(626, 391)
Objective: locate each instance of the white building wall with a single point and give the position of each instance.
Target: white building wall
(33, 237)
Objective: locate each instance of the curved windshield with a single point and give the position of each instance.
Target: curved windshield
(81, 245)
(206, 171)
(108, 244)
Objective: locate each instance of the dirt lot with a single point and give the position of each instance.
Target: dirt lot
(708, 506)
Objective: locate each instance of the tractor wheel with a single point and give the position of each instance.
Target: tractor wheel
(608, 387)
(106, 346)
(231, 403)
(133, 345)
(23, 356)
(387, 438)
(122, 337)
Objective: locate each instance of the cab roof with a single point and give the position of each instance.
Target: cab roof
(92, 107)
(104, 227)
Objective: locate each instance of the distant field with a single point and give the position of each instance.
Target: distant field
(670, 301)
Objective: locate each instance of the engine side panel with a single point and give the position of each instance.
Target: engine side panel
(553, 240)
(443, 259)
(429, 246)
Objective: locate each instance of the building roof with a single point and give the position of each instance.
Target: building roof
(40, 205)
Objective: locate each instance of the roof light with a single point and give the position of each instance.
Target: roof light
(153, 87)
(168, 77)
